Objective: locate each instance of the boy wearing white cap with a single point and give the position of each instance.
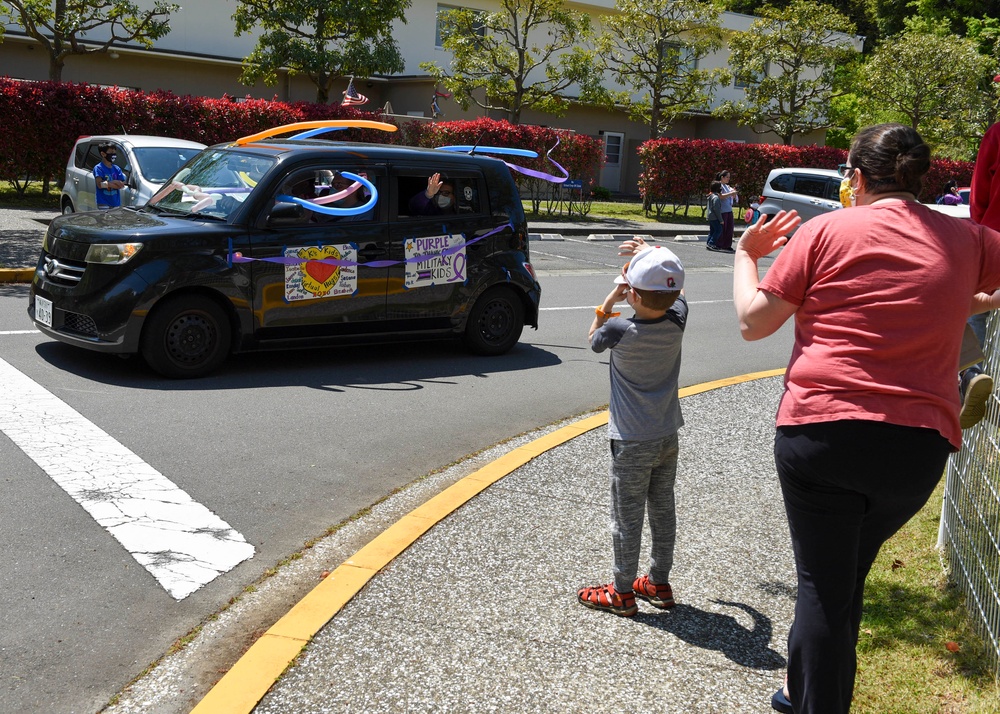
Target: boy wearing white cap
(645, 415)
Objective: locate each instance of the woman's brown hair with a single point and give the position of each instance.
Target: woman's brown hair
(891, 157)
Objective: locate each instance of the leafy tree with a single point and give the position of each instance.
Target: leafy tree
(653, 47)
(787, 62)
(931, 80)
(59, 26)
(498, 64)
(321, 39)
(863, 13)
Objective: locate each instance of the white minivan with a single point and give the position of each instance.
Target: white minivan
(148, 161)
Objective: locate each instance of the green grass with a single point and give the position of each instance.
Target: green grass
(911, 615)
(632, 211)
(32, 197)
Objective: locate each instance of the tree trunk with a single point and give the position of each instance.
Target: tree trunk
(55, 69)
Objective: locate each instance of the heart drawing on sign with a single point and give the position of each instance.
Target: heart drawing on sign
(318, 278)
(320, 272)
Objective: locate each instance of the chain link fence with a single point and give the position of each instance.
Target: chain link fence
(970, 518)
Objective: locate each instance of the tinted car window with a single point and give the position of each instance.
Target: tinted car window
(782, 183)
(469, 196)
(832, 190)
(93, 157)
(809, 186)
(317, 184)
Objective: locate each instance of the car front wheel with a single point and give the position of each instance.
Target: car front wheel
(67, 208)
(495, 322)
(187, 336)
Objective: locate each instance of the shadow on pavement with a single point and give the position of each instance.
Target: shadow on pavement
(747, 647)
(332, 369)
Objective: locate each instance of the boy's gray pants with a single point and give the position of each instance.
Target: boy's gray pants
(642, 479)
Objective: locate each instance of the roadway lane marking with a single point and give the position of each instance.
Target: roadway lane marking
(19, 332)
(180, 542)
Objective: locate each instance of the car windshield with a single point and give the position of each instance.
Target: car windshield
(215, 184)
(158, 163)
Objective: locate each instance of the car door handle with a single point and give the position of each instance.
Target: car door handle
(369, 253)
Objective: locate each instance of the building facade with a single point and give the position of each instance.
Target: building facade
(202, 56)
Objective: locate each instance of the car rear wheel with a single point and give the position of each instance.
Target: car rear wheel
(495, 322)
(67, 208)
(187, 336)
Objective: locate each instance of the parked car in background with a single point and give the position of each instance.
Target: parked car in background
(148, 161)
(811, 192)
(293, 242)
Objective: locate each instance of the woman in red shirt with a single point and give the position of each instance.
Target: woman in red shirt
(880, 294)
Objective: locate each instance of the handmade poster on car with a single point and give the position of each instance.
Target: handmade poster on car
(312, 279)
(443, 262)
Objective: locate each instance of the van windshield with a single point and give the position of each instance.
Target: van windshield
(158, 163)
(214, 184)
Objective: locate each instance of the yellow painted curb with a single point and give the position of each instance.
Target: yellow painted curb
(246, 683)
(16, 275)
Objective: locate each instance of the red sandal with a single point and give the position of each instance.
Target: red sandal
(605, 597)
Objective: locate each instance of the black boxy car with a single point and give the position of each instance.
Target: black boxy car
(286, 242)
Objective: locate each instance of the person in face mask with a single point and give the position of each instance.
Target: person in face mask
(437, 199)
(110, 178)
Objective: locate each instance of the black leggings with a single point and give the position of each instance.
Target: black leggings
(848, 487)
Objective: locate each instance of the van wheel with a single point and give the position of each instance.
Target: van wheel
(186, 336)
(67, 208)
(495, 322)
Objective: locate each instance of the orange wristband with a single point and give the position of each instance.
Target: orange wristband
(600, 313)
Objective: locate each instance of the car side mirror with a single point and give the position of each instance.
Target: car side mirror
(285, 214)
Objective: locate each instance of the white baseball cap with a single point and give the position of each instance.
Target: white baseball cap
(656, 269)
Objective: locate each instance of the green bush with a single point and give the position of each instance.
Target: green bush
(600, 193)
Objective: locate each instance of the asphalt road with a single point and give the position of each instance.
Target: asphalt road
(283, 445)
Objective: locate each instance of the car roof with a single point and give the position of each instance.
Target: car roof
(356, 149)
(829, 173)
(143, 141)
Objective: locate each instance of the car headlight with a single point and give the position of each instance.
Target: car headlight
(112, 253)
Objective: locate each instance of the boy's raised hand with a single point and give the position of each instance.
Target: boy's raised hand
(633, 246)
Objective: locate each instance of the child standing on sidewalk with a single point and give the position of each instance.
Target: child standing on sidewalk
(645, 416)
(714, 215)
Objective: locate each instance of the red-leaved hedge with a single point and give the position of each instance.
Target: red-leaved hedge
(579, 154)
(42, 120)
(680, 171)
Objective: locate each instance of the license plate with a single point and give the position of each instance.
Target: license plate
(43, 311)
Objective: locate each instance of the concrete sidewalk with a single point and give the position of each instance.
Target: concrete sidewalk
(479, 613)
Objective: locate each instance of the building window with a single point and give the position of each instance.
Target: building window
(743, 79)
(680, 56)
(442, 16)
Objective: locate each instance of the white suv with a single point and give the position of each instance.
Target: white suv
(148, 161)
(811, 192)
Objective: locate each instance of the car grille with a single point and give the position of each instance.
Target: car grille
(62, 271)
(81, 324)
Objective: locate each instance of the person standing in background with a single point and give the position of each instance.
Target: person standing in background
(729, 197)
(110, 178)
(714, 215)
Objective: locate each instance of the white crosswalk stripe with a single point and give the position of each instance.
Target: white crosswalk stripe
(179, 541)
